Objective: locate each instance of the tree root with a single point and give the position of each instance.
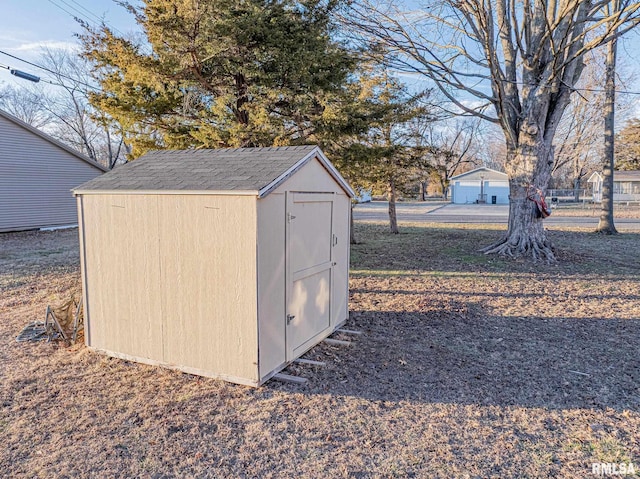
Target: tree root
(606, 230)
(521, 246)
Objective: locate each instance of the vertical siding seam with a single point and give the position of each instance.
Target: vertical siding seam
(287, 294)
(332, 279)
(83, 276)
(257, 278)
(163, 318)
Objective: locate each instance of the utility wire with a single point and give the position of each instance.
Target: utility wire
(44, 80)
(81, 15)
(57, 74)
(88, 11)
(78, 15)
(519, 83)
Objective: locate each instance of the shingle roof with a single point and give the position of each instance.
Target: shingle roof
(488, 174)
(617, 176)
(237, 169)
(626, 176)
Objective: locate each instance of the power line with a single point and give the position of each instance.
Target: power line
(88, 11)
(85, 16)
(57, 74)
(592, 90)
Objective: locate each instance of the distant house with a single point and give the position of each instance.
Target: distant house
(37, 174)
(626, 186)
(482, 185)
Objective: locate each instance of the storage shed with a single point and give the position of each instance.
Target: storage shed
(482, 185)
(36, 174)
(225, 263)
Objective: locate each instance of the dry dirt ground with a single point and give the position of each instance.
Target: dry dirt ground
(467, 367)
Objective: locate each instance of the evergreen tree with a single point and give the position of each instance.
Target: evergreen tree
(628, 146)
(220, 73)
(373, 144)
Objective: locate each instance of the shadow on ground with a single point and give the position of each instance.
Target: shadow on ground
(443, 323)
(466, 357)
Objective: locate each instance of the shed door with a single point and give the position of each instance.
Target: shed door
(309, 269)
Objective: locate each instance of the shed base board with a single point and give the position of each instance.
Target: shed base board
(184, 369)
(270, 374)
(209, 374)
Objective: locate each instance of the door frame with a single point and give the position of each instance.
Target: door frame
(292, 352)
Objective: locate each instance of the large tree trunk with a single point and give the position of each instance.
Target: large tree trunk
(576, 189)
(525, 234)
(606, 224)
(443, 187)
(391, 197)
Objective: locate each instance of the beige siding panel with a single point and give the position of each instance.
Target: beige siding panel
(208, 264)
(36, 177)
(312, 177)
(271, 282)
(121, 240)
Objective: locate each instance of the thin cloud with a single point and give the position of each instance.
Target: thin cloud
(39, 46)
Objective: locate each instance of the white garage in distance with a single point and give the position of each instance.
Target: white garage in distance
(482, 185)
(225, 263)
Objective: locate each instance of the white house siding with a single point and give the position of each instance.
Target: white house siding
(626, 186)
(36, 177)
(465, 192)
(466, 187)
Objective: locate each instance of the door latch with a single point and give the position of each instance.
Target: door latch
(290, 317)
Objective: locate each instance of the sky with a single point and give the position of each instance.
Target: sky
(26, 26)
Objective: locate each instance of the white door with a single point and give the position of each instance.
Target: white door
(309, 269)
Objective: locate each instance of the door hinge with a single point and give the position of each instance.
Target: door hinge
(290, 317)
(290, 217)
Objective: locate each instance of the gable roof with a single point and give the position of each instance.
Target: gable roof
(594, 177)
(626, 176)
(50, 139)
(248, 171)
(487, 172)
(617, 176)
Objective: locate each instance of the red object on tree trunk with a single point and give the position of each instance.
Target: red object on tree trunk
(543, 211)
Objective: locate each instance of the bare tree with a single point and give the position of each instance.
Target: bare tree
(60, 106)
(606, 223)
(26, 104)
(80, 125)
(523, 58)
(578, 141)
(450, 148)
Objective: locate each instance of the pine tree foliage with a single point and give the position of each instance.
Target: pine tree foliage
(628, 146)
(221, 73)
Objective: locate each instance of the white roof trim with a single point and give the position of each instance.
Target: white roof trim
(478, 169)
(315, 153)
(597, 176)
(168, 192)
(50, 139)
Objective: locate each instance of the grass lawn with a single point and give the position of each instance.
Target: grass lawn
(468, 366)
